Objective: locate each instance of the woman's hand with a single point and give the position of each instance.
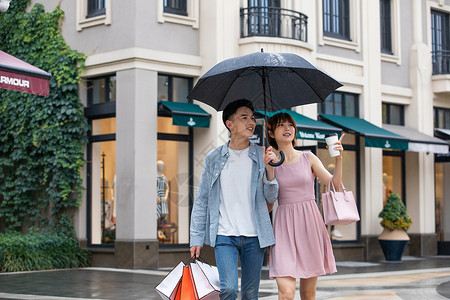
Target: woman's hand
(338, 146)
(269, 156)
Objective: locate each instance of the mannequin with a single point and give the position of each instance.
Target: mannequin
(162, 191)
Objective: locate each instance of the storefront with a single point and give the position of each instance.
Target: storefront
(442, 190)
(176, 160)
(175, 179)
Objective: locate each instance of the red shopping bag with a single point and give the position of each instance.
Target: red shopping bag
(206, 280)
(187, 289)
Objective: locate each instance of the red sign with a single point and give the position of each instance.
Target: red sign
(24, 83)
(18, 75)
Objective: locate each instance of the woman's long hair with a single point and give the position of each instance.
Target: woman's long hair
(274, 122)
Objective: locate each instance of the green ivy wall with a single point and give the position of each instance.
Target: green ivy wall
(42, 139)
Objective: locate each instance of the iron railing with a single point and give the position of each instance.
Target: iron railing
(441, 62)
(274, 22)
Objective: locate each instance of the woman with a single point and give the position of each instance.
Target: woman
(302, 246)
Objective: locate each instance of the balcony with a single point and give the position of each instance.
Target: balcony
(273, 22)
(441, 71)
(441, 62)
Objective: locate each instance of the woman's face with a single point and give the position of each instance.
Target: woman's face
(284, 132)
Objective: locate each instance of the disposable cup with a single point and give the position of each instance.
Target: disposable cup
(330, 139)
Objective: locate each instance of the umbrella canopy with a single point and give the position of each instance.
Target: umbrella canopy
(18, 75)
(272, 81)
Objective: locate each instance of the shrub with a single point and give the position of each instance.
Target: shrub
(394, 214)
(40, 251)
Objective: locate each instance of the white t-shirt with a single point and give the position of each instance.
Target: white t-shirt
(236, 205)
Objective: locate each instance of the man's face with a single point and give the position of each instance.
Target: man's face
(242, 123)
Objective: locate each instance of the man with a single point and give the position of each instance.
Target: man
(230, 210)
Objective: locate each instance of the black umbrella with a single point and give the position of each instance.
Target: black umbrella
(271, 81)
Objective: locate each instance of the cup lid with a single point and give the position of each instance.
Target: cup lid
(331, 134)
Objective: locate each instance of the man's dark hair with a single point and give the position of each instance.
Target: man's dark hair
(232, 107)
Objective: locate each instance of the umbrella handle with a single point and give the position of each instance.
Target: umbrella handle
(277, 164)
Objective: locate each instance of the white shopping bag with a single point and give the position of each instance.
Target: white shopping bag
(206, 280)
(168, 287)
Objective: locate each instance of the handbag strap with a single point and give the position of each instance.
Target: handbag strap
(331, 185)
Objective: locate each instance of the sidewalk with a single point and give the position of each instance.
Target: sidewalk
(414, 278)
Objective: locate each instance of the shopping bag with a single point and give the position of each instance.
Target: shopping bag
(187, 288)
(194, 281)
(206, 280)
(169, 287)
(339, 208)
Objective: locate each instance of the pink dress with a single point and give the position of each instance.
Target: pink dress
(302, 246)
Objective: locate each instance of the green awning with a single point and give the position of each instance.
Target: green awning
(307, 128)
(374, 136)
(185, 114)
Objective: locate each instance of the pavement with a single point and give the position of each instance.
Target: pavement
(414, 278)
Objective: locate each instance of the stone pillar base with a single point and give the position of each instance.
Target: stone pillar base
(423, 244)
(136, 254)
(373, 251)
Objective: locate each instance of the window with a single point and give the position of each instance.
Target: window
(102, 90)
(264, 17)
(385, 26)
(440, 42)
(442, 192)
(175, 166)
(173, 88)
(393, 174)
(393, 114)
(341, 104)
(351, 179)
(101, 161)
(336, 19)
(95, 8)
(92, 13)
(175, 7)
(442, 118)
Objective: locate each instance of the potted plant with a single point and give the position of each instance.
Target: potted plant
(395, 222)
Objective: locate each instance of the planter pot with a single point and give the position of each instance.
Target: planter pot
(393, 243)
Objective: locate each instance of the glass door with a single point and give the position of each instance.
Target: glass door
(442, 176)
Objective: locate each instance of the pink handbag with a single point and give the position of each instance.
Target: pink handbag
(339, 208)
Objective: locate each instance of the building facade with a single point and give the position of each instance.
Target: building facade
(148, 142)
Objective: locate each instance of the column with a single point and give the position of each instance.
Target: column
(136, 243)
(420, 166)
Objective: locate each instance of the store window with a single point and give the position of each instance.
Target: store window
(393, 114)
(385, 26)
(175, 166)
(340, 104)
(393, 174)
(351, 181)
(95, 8)
(442, 190)
(101, 161)
(343, 104)
(175, 7)
(336, 19)
(442, 118)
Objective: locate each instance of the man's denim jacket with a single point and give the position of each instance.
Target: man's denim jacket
(205, 213)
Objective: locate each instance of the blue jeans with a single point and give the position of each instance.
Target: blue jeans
(227, 251)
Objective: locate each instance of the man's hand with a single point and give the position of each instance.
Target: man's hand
(195, 251)
(269, 156)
